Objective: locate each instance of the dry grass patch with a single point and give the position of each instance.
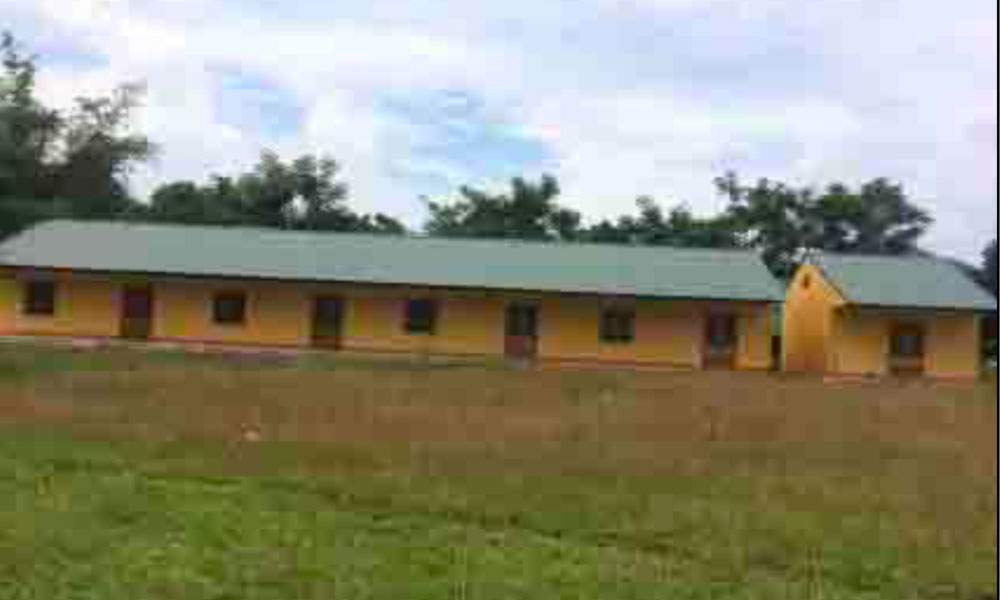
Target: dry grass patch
(697, 484)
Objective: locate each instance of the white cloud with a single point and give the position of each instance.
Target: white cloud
(611, 149)
(628, 97)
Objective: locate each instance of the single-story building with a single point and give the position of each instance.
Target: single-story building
(873, 315)
(568, 302)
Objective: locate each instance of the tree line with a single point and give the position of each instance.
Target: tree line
(75, 163)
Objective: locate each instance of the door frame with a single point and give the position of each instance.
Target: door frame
(721, 358)
(131, 326)
(520, 346)
(319, 338)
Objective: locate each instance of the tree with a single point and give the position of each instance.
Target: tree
(27, 129)
(988, 272)
(186, 202)
(528, 211)
(987, 277)
(679, 228)
(877, 219)
(303, 194)
(786, 222)
(323, 197)
(266, 194)
(379, 223)
(770, 216)
(54, 164)
(98, 151)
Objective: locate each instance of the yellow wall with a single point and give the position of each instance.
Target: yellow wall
(8, 300)
(952, 345)
(468, 322)
(665, 332)
(275, 314)
(754, 330)
(823, 334)
(808, 321)
(951, 341)
(858, 343)
(84, 306)
(669, 332)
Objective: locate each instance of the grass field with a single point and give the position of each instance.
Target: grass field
(127, 474)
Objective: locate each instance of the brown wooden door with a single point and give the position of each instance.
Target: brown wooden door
(521, 331)
(327, 321)
(137, 312)
(719, 347)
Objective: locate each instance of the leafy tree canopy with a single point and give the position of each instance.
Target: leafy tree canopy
(679, 227)
(528, 211)
(303, 194)
(73, 163)
(786, 222)
(988, 271)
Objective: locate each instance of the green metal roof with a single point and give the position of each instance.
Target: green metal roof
(274, 254)
(903, 281)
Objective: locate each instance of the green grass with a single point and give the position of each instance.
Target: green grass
(121, 476)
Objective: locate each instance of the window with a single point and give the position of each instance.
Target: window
(806, 281)
(229, 308)
(421, 315)
(618, 325)
(40, 298)
(907, 341)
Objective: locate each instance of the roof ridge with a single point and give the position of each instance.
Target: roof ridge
(914, 255)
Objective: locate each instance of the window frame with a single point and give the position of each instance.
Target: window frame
(617, 324)
(428, 321)
(225, 295)
(30, 304)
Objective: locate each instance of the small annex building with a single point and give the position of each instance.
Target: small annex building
(875, 315)
(689, 308)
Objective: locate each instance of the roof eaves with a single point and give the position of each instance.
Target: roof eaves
(925, 307)
(844, 298)
(767, 298)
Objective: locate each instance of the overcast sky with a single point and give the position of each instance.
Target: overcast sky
(615, 98)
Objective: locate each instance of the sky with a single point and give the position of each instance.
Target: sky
(616, 98)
